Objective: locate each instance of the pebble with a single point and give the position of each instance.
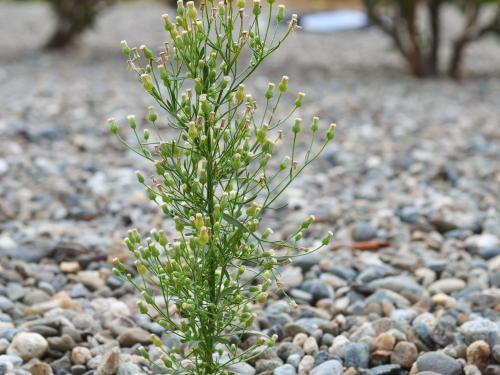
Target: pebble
(134, 335)
(404, 354)
(306, 364)
(439, 363)
(109, 363)
(447, 286)
(310, 346)
(28, 345)
(356, 355)
(80, 355)
(41, 369)
(478, 354)
(332, 367)
(385, 341)
(285, 369)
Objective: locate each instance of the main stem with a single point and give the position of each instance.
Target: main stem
(212, 262)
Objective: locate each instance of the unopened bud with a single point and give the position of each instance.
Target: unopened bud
(283, 86)
(240, 93)
(315, 124)
(166, 22)
(326, 240)
(256, 8)
(296, 126)
(152, 115)
(148, 54)
(300, 99)
(140, 177)
(280, 16)
(125, 48)
(330, 134)
(147, 82)
(191, 10)
(241, 4)
(267, 233)
(131, 122)
(204, 237)
(113, 125)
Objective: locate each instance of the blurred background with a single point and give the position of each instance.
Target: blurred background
(410, 186)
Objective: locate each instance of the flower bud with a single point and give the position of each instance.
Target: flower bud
(180, 7)
(163, 73)
(280, 16)
(140, 177)
(152, 115)
(125, 48)
(198, 221)
(147, 82)
(256, 8)
(131, 122)
(198, 87)
(330, 134)
(306, 223)
(203, 237)
(113, 125)
(270, 91)
(283, 86)
(267, 233)
(179, 226)
(191, 11)
(284, 163)
(241, 4)
(300, 99)
(298, 237)
(166, 22)
(192, 131)
(240, 93)
(156, 341)
(262, 134)
(142, 309)
(141, 268)
(147, 53)
(326, 240)
(236, 161)
(315, 124)
(225, 82)
(296, 126)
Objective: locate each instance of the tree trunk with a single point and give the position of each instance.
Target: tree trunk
(434, 7)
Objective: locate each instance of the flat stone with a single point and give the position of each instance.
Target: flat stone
(332, 367)
(28, 345)
(439, 363)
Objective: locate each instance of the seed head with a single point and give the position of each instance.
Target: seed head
(300, 99)
(147, 82)
(330, 134)
(131, 122)
(125, 48)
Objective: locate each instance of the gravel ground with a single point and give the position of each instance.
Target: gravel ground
(410, 188)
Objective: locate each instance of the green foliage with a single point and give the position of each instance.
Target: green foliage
(215, 179)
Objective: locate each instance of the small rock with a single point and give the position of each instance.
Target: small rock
(265, 364)
(109, 363)
(404, 354)
(439, 363)
(383, 370)
(447, 286)
(134, 335)
(479, 329)
(356, 355)
(41, 369)
(306, 364)
(471, 370)
(318, 289)
(385, 341)
(130, 369)
(241, 368)
(332, 367)
(80, 355)
(91, 279)
(478, 354)
(28, 345)
(284, 370)
(69, 267)
(291, 277)
(61, 344)
(363, 232)
(286, 349)
(311, 346)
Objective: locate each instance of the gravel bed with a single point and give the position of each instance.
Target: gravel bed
(410, 187)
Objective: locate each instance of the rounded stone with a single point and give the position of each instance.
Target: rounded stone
(440, 363)
(385, 341)
(28, 345)
(80, 355)
(404, 354)
(478, 354)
